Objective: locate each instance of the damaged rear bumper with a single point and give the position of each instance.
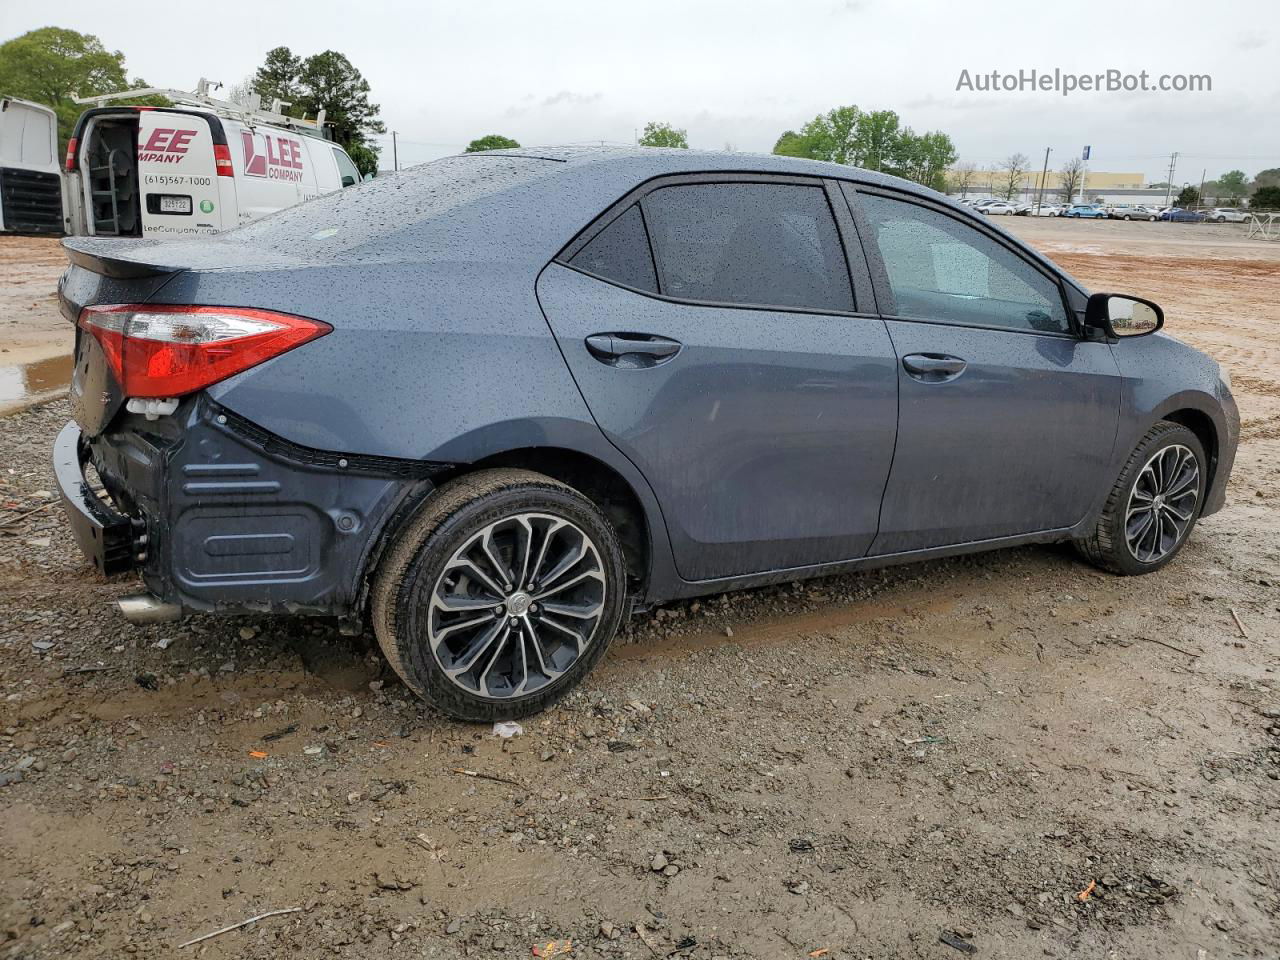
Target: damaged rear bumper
(106, 536)
(220, 516)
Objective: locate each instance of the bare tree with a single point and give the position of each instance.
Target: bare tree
(242, 91)
(1069, 178)
(961, 178)
(1014, 170)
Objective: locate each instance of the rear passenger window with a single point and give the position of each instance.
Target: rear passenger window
(620, 252)
(763, 244)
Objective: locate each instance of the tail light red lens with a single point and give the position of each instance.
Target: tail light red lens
(71, 155)
(169, 351)
(222, 160)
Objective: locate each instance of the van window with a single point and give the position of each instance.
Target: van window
(346, 169)
(765, 244)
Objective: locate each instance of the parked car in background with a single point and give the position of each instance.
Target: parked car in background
(1135, 211)
(999, 208)
(1087, 210)
(1226, 215)
(1179, 215)
(696, 374)
(1046, 210)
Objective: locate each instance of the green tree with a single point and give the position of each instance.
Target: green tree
(1267, 178)
(51, 65)
(494, 141)
(1188, 197)
(324, 81)
(923, 158)
(277, 78)
(877, 142)
(1233, 184)
(829, 136)
(1265, 198)
(365, 157)
(664, 135)
(330, 82)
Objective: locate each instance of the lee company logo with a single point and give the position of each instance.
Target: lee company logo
(166, 145)
(278, 158)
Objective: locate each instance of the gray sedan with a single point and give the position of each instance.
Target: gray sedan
(494, 404)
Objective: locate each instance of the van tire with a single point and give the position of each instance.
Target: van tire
(415, 564)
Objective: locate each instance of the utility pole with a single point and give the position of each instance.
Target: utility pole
(1200, 203)
(395, 156)
(1084, 171)
(1043, 174)
(1168, 190)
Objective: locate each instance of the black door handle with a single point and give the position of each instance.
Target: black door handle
(933, 367)
(632, 349)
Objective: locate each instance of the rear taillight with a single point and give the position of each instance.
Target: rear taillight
(222, 160)
(71, 155)
(168, 351)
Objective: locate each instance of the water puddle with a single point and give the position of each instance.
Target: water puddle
(22, 381)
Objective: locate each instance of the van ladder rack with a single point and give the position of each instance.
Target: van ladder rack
(250, 112)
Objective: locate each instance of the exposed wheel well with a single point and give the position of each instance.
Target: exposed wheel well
(1199, 423)
(600, 484)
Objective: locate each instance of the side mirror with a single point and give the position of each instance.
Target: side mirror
(348, 181)
(1119, 315)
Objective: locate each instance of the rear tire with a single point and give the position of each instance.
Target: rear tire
(1153, 505)
(458, 609)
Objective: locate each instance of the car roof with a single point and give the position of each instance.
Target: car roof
(645, 163)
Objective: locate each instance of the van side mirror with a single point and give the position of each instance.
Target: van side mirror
(1119, 315)
(348, 180)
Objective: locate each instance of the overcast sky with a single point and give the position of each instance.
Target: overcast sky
(740, 72)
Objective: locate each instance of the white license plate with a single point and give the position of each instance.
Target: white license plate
(175, 204)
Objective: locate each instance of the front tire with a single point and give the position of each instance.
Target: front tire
(500, 596)
(1153, 505)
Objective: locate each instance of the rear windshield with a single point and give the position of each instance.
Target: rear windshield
(356, 216)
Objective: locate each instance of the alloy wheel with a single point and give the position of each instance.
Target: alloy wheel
(1162, 503)
(516, 605)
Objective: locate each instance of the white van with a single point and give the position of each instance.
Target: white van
(30, 177)
(197, 167)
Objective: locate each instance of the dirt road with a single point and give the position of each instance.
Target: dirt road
(35, 340)
(1012, 751)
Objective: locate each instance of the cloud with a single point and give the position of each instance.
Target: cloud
(569, 97)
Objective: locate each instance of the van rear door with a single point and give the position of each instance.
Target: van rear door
(177, 174)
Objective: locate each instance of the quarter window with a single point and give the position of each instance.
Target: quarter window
(752, 243)
(942, 269)
(620, 252)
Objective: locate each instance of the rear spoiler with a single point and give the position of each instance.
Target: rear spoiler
(92, 254)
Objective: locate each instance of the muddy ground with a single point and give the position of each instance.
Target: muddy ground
(1011, 751)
